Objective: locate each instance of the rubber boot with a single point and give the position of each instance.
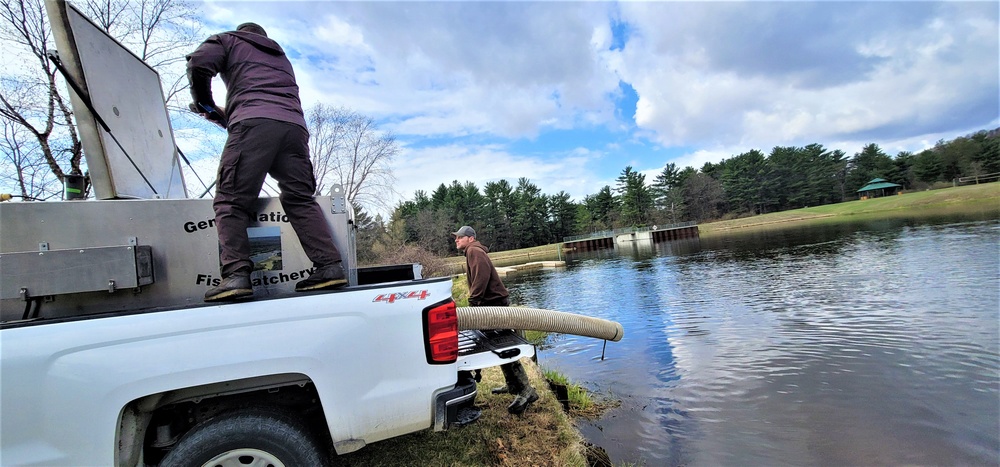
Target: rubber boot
(508, 377)
(525, 394)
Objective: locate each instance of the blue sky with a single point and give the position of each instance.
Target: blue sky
(569, 93)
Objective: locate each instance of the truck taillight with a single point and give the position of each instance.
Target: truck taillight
(441, 331)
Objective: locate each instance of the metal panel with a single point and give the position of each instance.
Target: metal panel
(184, 242)
(126, 93)
(57, 272)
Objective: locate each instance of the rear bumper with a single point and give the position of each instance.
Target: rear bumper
(448, 403)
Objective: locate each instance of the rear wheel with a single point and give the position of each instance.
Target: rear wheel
(247, 437)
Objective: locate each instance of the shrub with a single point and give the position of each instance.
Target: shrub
(408, 254)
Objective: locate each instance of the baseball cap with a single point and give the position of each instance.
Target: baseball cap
(464, 231)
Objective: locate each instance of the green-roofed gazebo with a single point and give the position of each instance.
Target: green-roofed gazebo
(878, 187)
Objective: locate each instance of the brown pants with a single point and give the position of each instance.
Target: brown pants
(255, 148)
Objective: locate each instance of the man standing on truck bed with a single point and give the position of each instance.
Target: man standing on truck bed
(267, 135)
(486, 289)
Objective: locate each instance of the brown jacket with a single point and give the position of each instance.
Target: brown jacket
(259, 79)
(485, 286)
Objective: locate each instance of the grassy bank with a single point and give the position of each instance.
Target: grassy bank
(543, 436)
(971, 199)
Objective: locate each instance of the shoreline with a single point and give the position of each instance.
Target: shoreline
(504, 271)
(984, 197)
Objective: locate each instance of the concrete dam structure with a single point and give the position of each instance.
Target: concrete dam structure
(627, 237)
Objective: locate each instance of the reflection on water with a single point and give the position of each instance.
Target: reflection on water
(873, 343)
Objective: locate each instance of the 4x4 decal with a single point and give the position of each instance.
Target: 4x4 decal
(392, 297)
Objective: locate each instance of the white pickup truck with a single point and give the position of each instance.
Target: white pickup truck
(276, 380)
(108, 357)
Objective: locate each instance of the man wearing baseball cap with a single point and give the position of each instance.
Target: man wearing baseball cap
(486, 289)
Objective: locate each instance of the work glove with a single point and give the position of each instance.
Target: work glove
(211, 113)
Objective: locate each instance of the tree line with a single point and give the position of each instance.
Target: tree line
(516, 216)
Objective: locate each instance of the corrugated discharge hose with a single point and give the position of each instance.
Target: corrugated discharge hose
(536, 319)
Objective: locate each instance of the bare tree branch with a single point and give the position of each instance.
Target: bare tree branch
(22, 165)
(347, 148)
(158, 31)
(23, 25)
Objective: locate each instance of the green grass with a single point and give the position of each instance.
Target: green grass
(460, 291)
(578, 397)
(984, 198)
(538, 338)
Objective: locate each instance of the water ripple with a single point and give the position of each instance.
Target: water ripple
(874, 345)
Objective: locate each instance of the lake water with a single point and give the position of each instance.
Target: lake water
(866, 344)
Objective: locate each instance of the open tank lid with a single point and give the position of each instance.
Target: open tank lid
(138, 158)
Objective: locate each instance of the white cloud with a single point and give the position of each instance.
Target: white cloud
(473, 68)
(714, 79)
(338, 33)
(907, 73)
(708, 75)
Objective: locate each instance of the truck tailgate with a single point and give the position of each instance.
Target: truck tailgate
(482, 349)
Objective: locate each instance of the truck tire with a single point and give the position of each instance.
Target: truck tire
(247, 437)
